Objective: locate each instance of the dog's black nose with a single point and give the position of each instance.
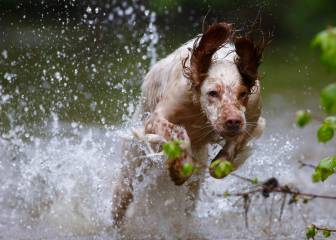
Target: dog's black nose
(233, 124)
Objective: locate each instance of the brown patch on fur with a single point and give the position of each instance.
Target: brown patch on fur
(250, 54)
(242, 98)
(204, 48)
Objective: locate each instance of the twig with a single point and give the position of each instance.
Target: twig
(281, 189)
(272, 185)
(242, 178)
(303, 164)
(324, 229)
(247, 203)
(317, 117)
(298, 193)
(283, 205)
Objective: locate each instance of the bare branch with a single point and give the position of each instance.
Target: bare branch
(282, 205)
(272, 185)
(303, 164)
(242, 178)
(325, 229)
(247, 202)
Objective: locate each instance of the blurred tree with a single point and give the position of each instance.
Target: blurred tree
(291, 19)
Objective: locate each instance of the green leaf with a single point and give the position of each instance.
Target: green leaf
(325, 133)
(329, 163)
(326, 233)
(331, 121)
(187, 169)
(328, 99)
(172, 149)
(226, 194)
(197, 170)
(326, 42)
(255, 181)
(323, 174)
(303, 117)
(324, 169)
(316, 177)
(221, 168)
(294, 199)
(311, 232)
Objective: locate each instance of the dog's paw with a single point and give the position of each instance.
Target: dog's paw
(181, 168)
(220, 168)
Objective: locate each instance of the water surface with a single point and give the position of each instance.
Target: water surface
(67, 92)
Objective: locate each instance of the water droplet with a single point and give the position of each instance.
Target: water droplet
(10, 77)
(4, 54)
(89, 9)
(58, 76)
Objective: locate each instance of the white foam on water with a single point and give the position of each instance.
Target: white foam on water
(61, 185)
(58, 184)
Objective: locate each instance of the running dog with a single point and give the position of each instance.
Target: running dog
(205, 92)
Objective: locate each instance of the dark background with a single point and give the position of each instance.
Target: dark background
(290, 19)
(85, 60)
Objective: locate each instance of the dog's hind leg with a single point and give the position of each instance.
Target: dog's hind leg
(194, 184)
(123, 191)
(122, 197)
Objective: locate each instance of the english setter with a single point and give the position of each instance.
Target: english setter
(205, 92)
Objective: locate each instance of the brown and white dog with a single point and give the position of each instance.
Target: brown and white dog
(205, 91)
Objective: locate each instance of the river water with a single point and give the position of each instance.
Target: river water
(67, 94)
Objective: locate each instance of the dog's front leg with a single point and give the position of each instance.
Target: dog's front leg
(232, 148)
(157, 124)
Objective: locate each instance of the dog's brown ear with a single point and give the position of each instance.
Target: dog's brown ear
(203, 50)
(249, 58)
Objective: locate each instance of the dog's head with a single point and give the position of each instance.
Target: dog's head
(221, 86)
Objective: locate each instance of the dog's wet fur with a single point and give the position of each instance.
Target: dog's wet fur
(206, 91)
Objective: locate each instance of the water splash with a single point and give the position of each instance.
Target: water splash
(63, 117)
(64, 181)
(152, 37)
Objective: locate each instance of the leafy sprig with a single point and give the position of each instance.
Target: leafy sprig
(312, 230)
(326, 41)
(325, 132)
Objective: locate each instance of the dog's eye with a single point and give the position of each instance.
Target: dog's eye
(213, 94)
